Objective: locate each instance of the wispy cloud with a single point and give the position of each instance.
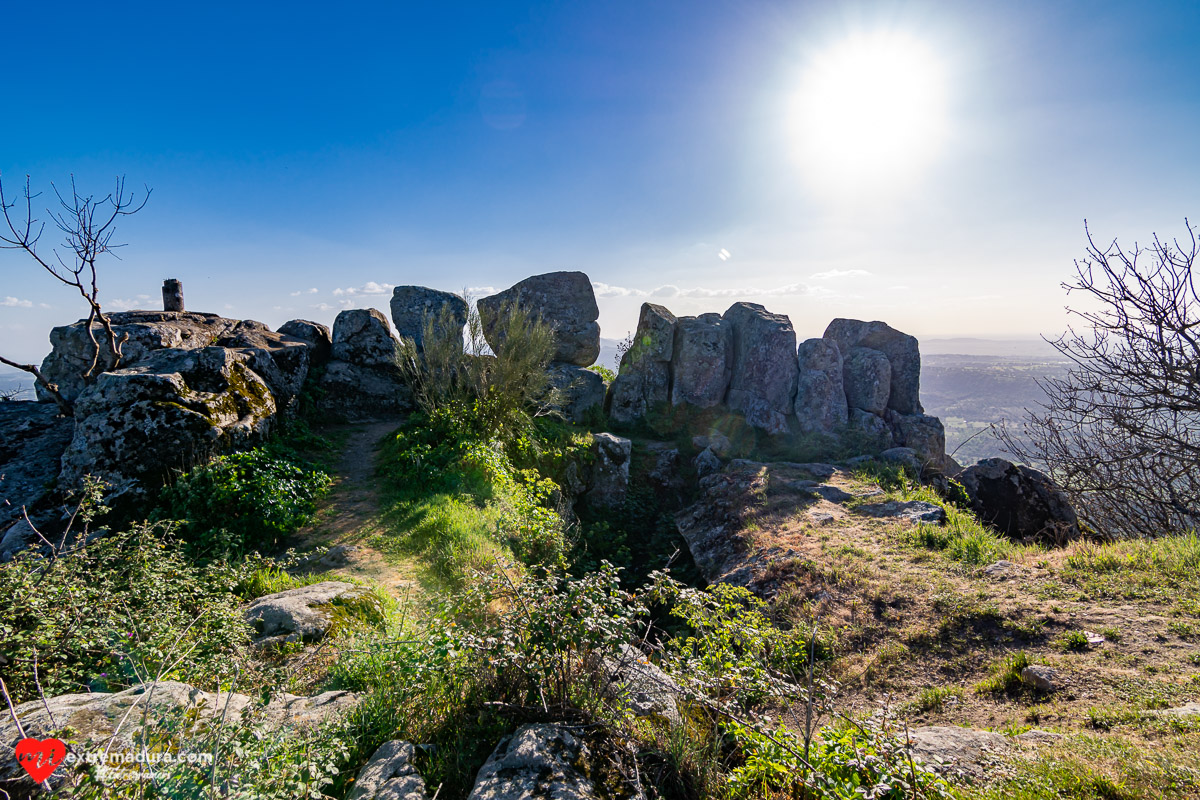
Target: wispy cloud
(306, 291)
(16, 302)
(668, 291)
(835, 274)
(323, 307)
(370, 287)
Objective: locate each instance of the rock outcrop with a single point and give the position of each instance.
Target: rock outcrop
(565, 301)
(33, 439)
(315, 335)
(303, 614)
(363, 380)
(700, 363)
(644, 382)
(390, 775)
(1020, 502)
(610, 471)
(902, 352)
(414, 307)
(763, 370)
(820, 391)
(582, 390)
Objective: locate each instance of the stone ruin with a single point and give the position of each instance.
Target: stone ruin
(193, 385)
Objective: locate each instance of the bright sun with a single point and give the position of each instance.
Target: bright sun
(870, 111)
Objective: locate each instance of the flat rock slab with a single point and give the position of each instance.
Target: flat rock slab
(913, 511)
(650, 692)
(298, 615)
(967, 751)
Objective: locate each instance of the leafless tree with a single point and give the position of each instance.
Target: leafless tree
(1121, 431)
(87, 224)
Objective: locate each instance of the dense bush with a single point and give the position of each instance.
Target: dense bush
(115, 613)
(244, 501)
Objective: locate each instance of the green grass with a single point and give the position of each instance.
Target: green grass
(935, 698)
(1166, 569)
(1006, 675)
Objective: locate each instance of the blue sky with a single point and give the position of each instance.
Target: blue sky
(343, 149)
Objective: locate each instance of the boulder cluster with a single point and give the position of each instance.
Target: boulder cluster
(859, 376)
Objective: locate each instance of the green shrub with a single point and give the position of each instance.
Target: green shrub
(243, 502)
(115, 613)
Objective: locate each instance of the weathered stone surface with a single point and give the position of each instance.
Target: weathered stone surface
(872, 425)
(820, 393)
(32, 441)
(356, 393)
(98, 717)
(663, 472)
(905, 457)
(280, 360)
(1040, 677)
(147, 331)
(298, 615)
(582, 390)
(763, 369)
(922, 434)
(867, 377)
(1020, 502)
(315, 335)
(538, 761)
(415, 306)
(706, 463)
(702, 352)
(902, 351)
(716, 441)
(390, 775)
(911, 511)
(645, 372)
(973, 753)
(362, 337)
(610, 470)
(648, 691)
(565, 300)
(174, 409)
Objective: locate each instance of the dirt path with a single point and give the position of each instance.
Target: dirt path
(351, 513)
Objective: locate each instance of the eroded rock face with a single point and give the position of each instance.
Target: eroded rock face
(645, 372)
(315, 335)
(33, 439)
(566, 301)
(902, 351)
(414, 306)
(362, 336)
(582, 390)
(610, 470)
(1020, 502)
(820, 393)
(867, 376)
(355, 393)
(922, 434)
(390, 775)
(702, 352)
(174, 409)
(302, 614)
(540, 761)
(763, 370)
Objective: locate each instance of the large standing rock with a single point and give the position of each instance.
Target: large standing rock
(1020, 502)
(582, 390)
(315, 335)
(610, 470)
(565, 300)
(763, 372)
(362, 336)
(903, 355)
(820, 392)
(701, 356)
(413, 306)
(645, 372)
(175, 409)
(390, 775)
(867, 376)
(32, 441)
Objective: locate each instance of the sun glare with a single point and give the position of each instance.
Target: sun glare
(870, 112)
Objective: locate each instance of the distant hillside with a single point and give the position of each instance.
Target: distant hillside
(1023, 348)
(11, 379)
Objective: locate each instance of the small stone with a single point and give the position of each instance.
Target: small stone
(1042, 678)
(706, 463)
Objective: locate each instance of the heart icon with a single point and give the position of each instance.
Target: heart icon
(40, 757)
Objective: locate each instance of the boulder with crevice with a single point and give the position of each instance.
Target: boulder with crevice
(700, 364)
(820, 390)
(902, 351)
(609, 482)
(867, 377)
(318, 337)
(390, 775)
